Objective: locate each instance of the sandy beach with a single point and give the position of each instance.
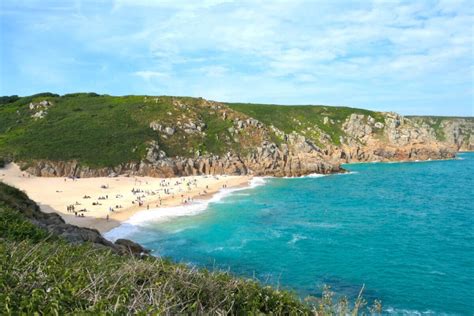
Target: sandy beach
(104, 203)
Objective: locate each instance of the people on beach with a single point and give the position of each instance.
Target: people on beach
(141, 193)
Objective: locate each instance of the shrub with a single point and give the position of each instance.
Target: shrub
(8, 99)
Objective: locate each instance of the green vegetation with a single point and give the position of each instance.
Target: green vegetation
(13, 226)
(8, 99)
(300, 118)
(97, 132)
(105, 131)
(42, 274)
(101, 130)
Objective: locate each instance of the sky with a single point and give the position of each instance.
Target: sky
(411, 57)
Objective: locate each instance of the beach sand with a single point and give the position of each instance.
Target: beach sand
(55, 194)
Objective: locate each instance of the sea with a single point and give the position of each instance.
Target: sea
(402, 231)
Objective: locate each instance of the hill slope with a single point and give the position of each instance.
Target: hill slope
(86, 134)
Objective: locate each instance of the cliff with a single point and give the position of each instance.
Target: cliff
(456, 131)
(98, 135)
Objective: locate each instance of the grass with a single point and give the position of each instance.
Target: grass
(102, 131)
(43, 274)
(96, 132)
(300, 118)
(106, 131)
(56, 278)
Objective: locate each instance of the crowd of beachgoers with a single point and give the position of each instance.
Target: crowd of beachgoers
(104, 202)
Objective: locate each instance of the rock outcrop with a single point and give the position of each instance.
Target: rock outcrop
(458, 132)
(395, 139)
(40, 109)
(269, 159)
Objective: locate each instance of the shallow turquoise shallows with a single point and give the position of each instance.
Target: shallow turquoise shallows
(405, 230)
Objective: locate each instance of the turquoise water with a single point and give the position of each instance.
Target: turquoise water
(405, 230)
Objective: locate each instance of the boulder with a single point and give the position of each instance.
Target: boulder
(131, 247)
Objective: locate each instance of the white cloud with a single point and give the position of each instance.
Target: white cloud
(173, 4)
(214, 71)
(148, 74)
(335, 52)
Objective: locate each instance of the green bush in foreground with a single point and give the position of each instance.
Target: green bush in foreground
(60, 278)
(44, 274)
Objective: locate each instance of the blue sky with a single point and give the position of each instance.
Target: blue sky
(412, 57)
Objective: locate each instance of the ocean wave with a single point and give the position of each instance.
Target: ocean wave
(255, 182)
(437, 272)
(180, 230)
(345, 173)
(122, 231)
(241, 194)
(295, 238)
(320, 175)
(311, 175)
(401, 311)
(162, 214)
(315, 175)
(319, 225)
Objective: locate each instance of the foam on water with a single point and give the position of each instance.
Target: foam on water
(408, 312)
(315, 175)
(153, 215)
(320, 175)
(296, 237)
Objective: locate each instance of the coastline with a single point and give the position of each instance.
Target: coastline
(161, 214)
(456, 157)
(57, 194)
(54, 194)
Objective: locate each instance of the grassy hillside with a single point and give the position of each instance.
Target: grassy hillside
(306, 119)
(41, 273)
(103, 130)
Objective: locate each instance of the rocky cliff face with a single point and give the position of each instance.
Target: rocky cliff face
(296, 158)
(397, 138)
(458, 132)
(256, 148)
